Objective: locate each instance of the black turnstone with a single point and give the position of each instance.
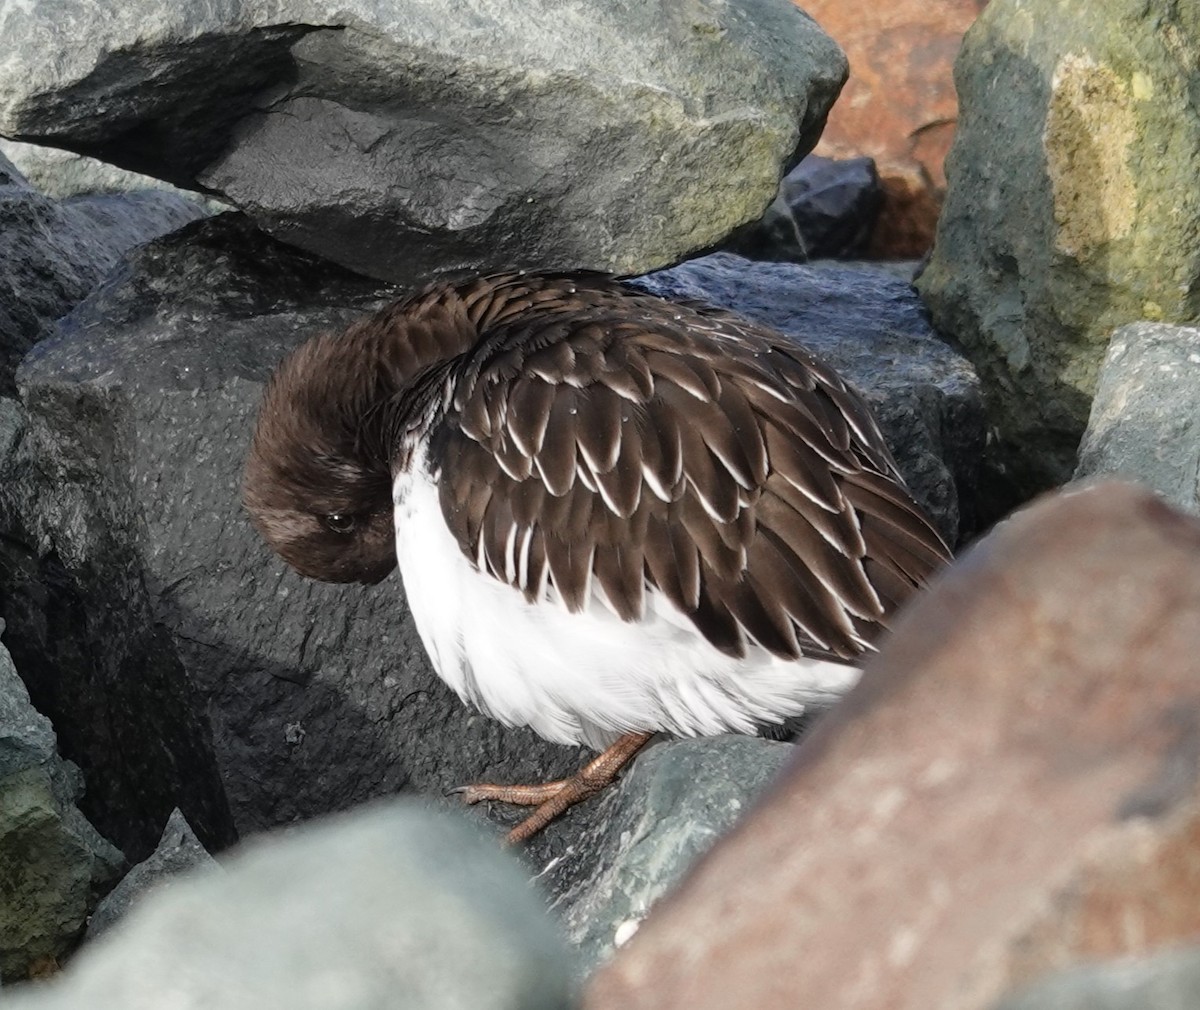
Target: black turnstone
(614, 514)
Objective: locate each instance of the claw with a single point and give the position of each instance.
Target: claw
(552, 798)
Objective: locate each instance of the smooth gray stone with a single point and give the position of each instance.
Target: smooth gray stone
(178, 850)
(1145, 420)
(392, 906)
(405, 139)
(1164, 981)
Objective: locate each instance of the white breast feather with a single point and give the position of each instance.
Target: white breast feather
(587, 677)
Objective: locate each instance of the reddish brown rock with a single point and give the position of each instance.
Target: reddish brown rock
(898, 106)
(1011, 789)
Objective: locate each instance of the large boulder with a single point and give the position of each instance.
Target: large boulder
(403, 139)
(135, 597)
(202, 673)
(1072, 209)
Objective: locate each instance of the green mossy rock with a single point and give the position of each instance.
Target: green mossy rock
(1073, 206)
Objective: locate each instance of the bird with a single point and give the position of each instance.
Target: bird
(615, 515)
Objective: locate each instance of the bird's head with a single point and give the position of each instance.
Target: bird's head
(317, 482)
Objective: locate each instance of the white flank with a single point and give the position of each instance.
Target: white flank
(587, 677)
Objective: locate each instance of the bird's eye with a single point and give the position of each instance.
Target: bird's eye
(339, 522)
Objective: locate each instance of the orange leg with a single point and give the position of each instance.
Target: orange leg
(552, 798)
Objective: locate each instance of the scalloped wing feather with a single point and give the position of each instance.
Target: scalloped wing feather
(603, 442)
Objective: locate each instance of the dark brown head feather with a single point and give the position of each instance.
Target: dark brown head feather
(323, 443)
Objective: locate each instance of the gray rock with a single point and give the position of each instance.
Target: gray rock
(825, 209)
(870, 326)
(404, 139)
(1071, 208)
(638, 839)
(1166, 981)
(52, 254)
(1145, 421)
(62, 174)
(390, 907)
(179, 849)
(53, 863)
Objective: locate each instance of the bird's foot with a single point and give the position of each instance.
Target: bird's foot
(524, 796)
(552, 798)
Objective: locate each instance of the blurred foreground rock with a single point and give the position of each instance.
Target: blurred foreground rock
(1168, 981)
(1014, 787)
(394, 906)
